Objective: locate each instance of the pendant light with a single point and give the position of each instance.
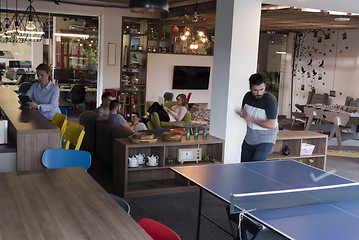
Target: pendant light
(1, 27)
(155, 6)
(30, 25)
(33, 26)
(6, 24)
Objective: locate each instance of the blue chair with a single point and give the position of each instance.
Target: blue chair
(64, 110)
(62, 158)
(125, 206)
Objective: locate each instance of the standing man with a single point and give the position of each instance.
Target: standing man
(104, 109)
(260, 111)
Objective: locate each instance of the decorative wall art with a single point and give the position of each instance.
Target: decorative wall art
(325, 61)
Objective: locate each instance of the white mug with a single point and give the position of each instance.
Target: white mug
(153, 160)
(140, 158)
(132, 162)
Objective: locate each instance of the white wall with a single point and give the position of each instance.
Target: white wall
(160, 74)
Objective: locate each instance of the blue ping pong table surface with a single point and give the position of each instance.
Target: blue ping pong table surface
(339, 220)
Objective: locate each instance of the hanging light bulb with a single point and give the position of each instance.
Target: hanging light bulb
(1, 26)
(187, 31)
(6, 23)
(183, 37)
(30, 24)
(193, 46)
(200, 33)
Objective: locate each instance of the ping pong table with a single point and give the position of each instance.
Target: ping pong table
(336, 219)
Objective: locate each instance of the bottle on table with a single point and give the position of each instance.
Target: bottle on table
(195, 133)
(188, 134)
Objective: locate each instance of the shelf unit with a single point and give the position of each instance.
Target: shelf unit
(145, 179)
(294, 140)
(133, 66)
(141, 36)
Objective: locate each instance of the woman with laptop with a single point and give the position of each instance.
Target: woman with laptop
(44, 94)
(176, 113)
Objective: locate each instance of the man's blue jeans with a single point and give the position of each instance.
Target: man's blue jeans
(259, 152)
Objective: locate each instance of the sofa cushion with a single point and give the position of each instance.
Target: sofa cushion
(88, 120)
(349, 101)
(105, 135)
(320, 98)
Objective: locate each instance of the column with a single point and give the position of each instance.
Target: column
(235, 59)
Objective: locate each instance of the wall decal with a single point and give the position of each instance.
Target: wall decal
(321, 64)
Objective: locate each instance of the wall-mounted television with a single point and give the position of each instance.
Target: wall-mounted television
(14, 64)
(25, 64)
(2, 65)
(190, 77)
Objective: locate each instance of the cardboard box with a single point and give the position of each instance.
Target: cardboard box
(306, 149)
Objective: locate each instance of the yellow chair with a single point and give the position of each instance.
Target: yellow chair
(60, 120)
(74, 134)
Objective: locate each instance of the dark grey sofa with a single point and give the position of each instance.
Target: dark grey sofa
(100, 135)
(88, 120)
(105, 135)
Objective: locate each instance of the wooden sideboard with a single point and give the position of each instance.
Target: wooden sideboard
(28, 130)
(146, 179)
(294, 140)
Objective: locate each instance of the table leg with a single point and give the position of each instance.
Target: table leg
(309, 121)
(337, 133)
(199, 212)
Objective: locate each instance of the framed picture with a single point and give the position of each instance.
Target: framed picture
(111, 54)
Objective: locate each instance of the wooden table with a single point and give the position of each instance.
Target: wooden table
(335, 116)
(31, 132)
(62, 203)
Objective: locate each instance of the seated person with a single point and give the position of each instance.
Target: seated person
(176, 113)
(44, 93)
(103, 110)
(117, 119)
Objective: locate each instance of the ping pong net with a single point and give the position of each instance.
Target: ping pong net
(247, 202)
(259, 201)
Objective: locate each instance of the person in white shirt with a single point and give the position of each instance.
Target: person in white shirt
(176, 113)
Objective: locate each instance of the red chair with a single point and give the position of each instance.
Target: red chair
(188, 97)
(157, 230)
(112, 91)
(187, 100)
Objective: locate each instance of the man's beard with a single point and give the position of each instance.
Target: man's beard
(258, 97)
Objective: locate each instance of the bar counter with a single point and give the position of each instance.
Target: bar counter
(29, 131)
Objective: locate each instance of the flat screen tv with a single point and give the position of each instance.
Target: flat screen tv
(14, 64)
(25, 64)
(190, 77)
